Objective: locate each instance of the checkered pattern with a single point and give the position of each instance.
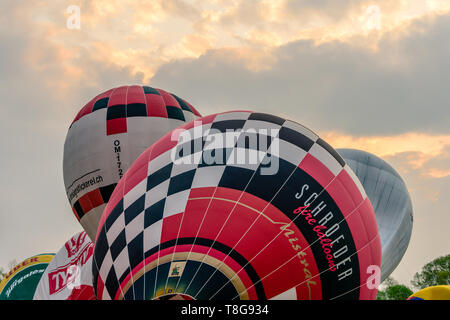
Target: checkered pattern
(136, 101)
(134, 226)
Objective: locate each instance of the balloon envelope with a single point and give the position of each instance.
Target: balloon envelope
(432, 293)
(107, 135)
(21, 281)
(238, 205)
(69, 274)
(391, 202)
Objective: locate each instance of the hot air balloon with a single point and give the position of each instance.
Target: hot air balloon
(238, 205)
(107, 135)
(441, 292)
(21, 281)
(69, 274)
(391, 202)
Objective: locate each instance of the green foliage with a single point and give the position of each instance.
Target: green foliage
(3, 273)
(393, 291)
(398, 292)
(381, 295)
(436, 272)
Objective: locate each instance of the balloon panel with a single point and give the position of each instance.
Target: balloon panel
(69, 274)
(107, 135)
(441, 292)
(21, 281)
(267, 211)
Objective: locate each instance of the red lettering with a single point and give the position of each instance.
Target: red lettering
(58, 278)
(325, 242)
(318, 228)
(300, 209)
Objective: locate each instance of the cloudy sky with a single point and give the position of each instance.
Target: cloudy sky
(371, 75)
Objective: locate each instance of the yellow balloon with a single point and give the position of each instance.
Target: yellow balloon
(432, 293)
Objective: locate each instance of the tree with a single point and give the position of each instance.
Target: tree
(393, 290)
(11, 265)
(436, 272)
(398, 292)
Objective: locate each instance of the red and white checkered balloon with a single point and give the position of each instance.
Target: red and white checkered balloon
(237, 205)
(105, 138)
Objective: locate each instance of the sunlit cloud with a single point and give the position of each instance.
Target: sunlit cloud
(417, 149)
(144, 35)
(433, 145)
(436, 173)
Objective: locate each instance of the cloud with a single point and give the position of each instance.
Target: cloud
(144, 35)
(401, 87)
(429, 191)
(422, 164)
(416, 149)
(330, 9)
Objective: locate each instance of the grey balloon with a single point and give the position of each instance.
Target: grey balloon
(391, 202)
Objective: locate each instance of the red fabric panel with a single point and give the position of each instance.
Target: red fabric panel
(135, 94)
(85, 203)
(316, 169)
(156, 106)
(169, 100)
(83, 292)
(118, 96)
(136, 174)
(266, 229)
(95, 197)
(115, 126)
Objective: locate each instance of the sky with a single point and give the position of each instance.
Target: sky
(370, 75)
